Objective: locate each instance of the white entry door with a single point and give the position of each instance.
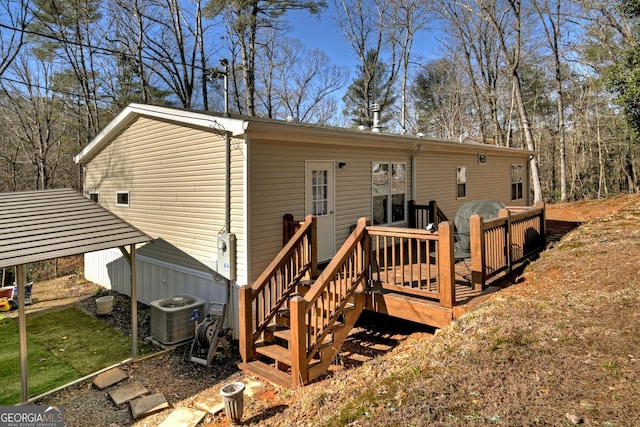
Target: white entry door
(319, 201)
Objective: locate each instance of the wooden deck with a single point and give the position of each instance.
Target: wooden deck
(415, 299)
(409, 273)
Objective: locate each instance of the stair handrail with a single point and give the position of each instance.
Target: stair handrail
(301, 248)
(356, 249)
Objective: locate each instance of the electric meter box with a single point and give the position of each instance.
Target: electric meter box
(227, 255)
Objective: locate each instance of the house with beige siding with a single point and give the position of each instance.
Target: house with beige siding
(197, 181)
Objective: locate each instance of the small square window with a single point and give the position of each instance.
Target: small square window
(94, 197)
(122, 198)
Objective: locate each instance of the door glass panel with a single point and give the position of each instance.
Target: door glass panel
(319, 192)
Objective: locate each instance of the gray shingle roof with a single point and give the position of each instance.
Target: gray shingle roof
(47, 224)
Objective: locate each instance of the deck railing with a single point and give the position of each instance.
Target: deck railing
(422, 215)
(497, 245)
(415, 261)
(260, 302)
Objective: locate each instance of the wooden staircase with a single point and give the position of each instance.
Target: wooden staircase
(274, 357)
(292, 326)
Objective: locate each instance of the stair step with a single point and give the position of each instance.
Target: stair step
(274, 330)
(275, 352)
(285, 334)
(267, 373)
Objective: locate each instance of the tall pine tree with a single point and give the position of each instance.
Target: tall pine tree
(373, 86)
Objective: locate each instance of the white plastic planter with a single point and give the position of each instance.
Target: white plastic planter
(233, 395)
(104, 305)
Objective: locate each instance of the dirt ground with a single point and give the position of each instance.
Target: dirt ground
(559, 348)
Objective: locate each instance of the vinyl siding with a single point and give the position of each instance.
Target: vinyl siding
(158, 279)
(277, 187)
(176, 179)
(436, 177)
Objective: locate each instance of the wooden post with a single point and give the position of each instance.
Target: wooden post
(433, 212)
(299, 373)
(543, 225)
(505, 213)
(287, 219)
(367, 255)
(412, 214)
(446, 265)
(478, 258)
(314, 247)
(134, 303)
(22, 328)
(245, 303)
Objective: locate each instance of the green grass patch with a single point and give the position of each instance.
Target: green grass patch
(45, 370)
(62, 346)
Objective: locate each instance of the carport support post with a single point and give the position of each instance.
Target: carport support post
(134, 304)
(22, 328)
(131, 259)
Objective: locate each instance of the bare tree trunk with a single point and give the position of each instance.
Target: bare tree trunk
(511, 54)
(552, 31)
(528, 137)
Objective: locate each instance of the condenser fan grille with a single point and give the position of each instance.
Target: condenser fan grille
(171, 318)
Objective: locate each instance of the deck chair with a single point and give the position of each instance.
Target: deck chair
(487, 209)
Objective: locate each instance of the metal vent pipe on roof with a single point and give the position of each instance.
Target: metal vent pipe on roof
(377, 127)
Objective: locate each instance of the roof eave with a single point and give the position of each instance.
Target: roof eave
(217, 124)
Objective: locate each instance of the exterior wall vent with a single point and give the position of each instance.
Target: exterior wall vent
(171, 318)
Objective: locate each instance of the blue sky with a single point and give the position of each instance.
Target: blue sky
(322, 32)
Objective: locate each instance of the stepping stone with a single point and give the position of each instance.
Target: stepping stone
(183, 417)
(109, 378)
(212, 404)
(127, 392)
(148, 405)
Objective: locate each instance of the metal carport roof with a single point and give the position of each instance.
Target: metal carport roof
(41, 225)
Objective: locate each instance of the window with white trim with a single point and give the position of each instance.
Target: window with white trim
(122, 198)
(461, 182)
(516, 182)
(389, 186)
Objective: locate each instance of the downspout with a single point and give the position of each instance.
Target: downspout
(414, 172)
(227, 189)
(227, 206)
(224, 65)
